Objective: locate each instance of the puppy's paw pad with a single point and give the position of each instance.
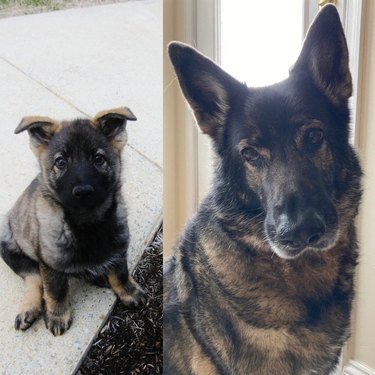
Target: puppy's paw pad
(25, 319)
(58, 324)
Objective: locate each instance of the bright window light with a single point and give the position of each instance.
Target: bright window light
(260, 40)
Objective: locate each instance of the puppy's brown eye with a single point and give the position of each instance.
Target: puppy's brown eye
(60, 162)
(99, 159)
(315, 137)
(250, 154)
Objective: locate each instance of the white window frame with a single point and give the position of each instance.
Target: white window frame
(203, 32)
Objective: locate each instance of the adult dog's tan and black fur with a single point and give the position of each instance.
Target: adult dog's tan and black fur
(71, 220)
(261, 281)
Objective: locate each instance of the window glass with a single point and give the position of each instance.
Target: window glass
(260, 40)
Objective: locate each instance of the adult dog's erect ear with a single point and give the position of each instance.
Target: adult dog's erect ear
(206, 87)
(112, 123)
(324, 56)
(41, 129)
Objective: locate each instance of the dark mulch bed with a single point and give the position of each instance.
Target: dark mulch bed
(131, 341)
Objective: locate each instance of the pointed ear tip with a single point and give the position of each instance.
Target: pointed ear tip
(329, 11)
(175, 46)
(130, 116)
(19, 127)
(329, 8)
(178, 50)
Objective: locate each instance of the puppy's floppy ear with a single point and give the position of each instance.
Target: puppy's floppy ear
(112, 123)
(325, 58)
(206, 87)
(41, 129)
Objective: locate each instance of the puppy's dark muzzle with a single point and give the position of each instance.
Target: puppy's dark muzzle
(306, 230)
(82, 191)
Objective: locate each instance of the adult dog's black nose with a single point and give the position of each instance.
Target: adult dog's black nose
(82, 191)
(307, 230)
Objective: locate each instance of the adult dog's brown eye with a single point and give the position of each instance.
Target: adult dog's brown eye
(60, 162)
(250, 154)
(315, 137)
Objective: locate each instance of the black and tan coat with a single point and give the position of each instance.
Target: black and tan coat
(261, 280)
(71, 219)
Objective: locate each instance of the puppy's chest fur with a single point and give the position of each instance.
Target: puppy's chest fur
(74, 247)
(95, 244)
(60, 240)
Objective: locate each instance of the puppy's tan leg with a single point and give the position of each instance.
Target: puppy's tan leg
(31, 306)
(127, 290)
(58, 315)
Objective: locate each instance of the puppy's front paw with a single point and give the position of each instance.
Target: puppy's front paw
(31, 307)
(25, 319)
(58, 323)
(132, 294)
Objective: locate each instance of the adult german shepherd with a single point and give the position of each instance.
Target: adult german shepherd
(71, 220)
(261, 281)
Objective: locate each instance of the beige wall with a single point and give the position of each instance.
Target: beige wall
(177, 163)
(169, 135)
(363, 341)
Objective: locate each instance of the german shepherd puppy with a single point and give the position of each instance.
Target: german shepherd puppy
(261, 281)
(71, 220)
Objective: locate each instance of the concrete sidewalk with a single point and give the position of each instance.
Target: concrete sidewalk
(68, 64)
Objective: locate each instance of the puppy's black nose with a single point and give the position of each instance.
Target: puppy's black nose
(82, 191)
